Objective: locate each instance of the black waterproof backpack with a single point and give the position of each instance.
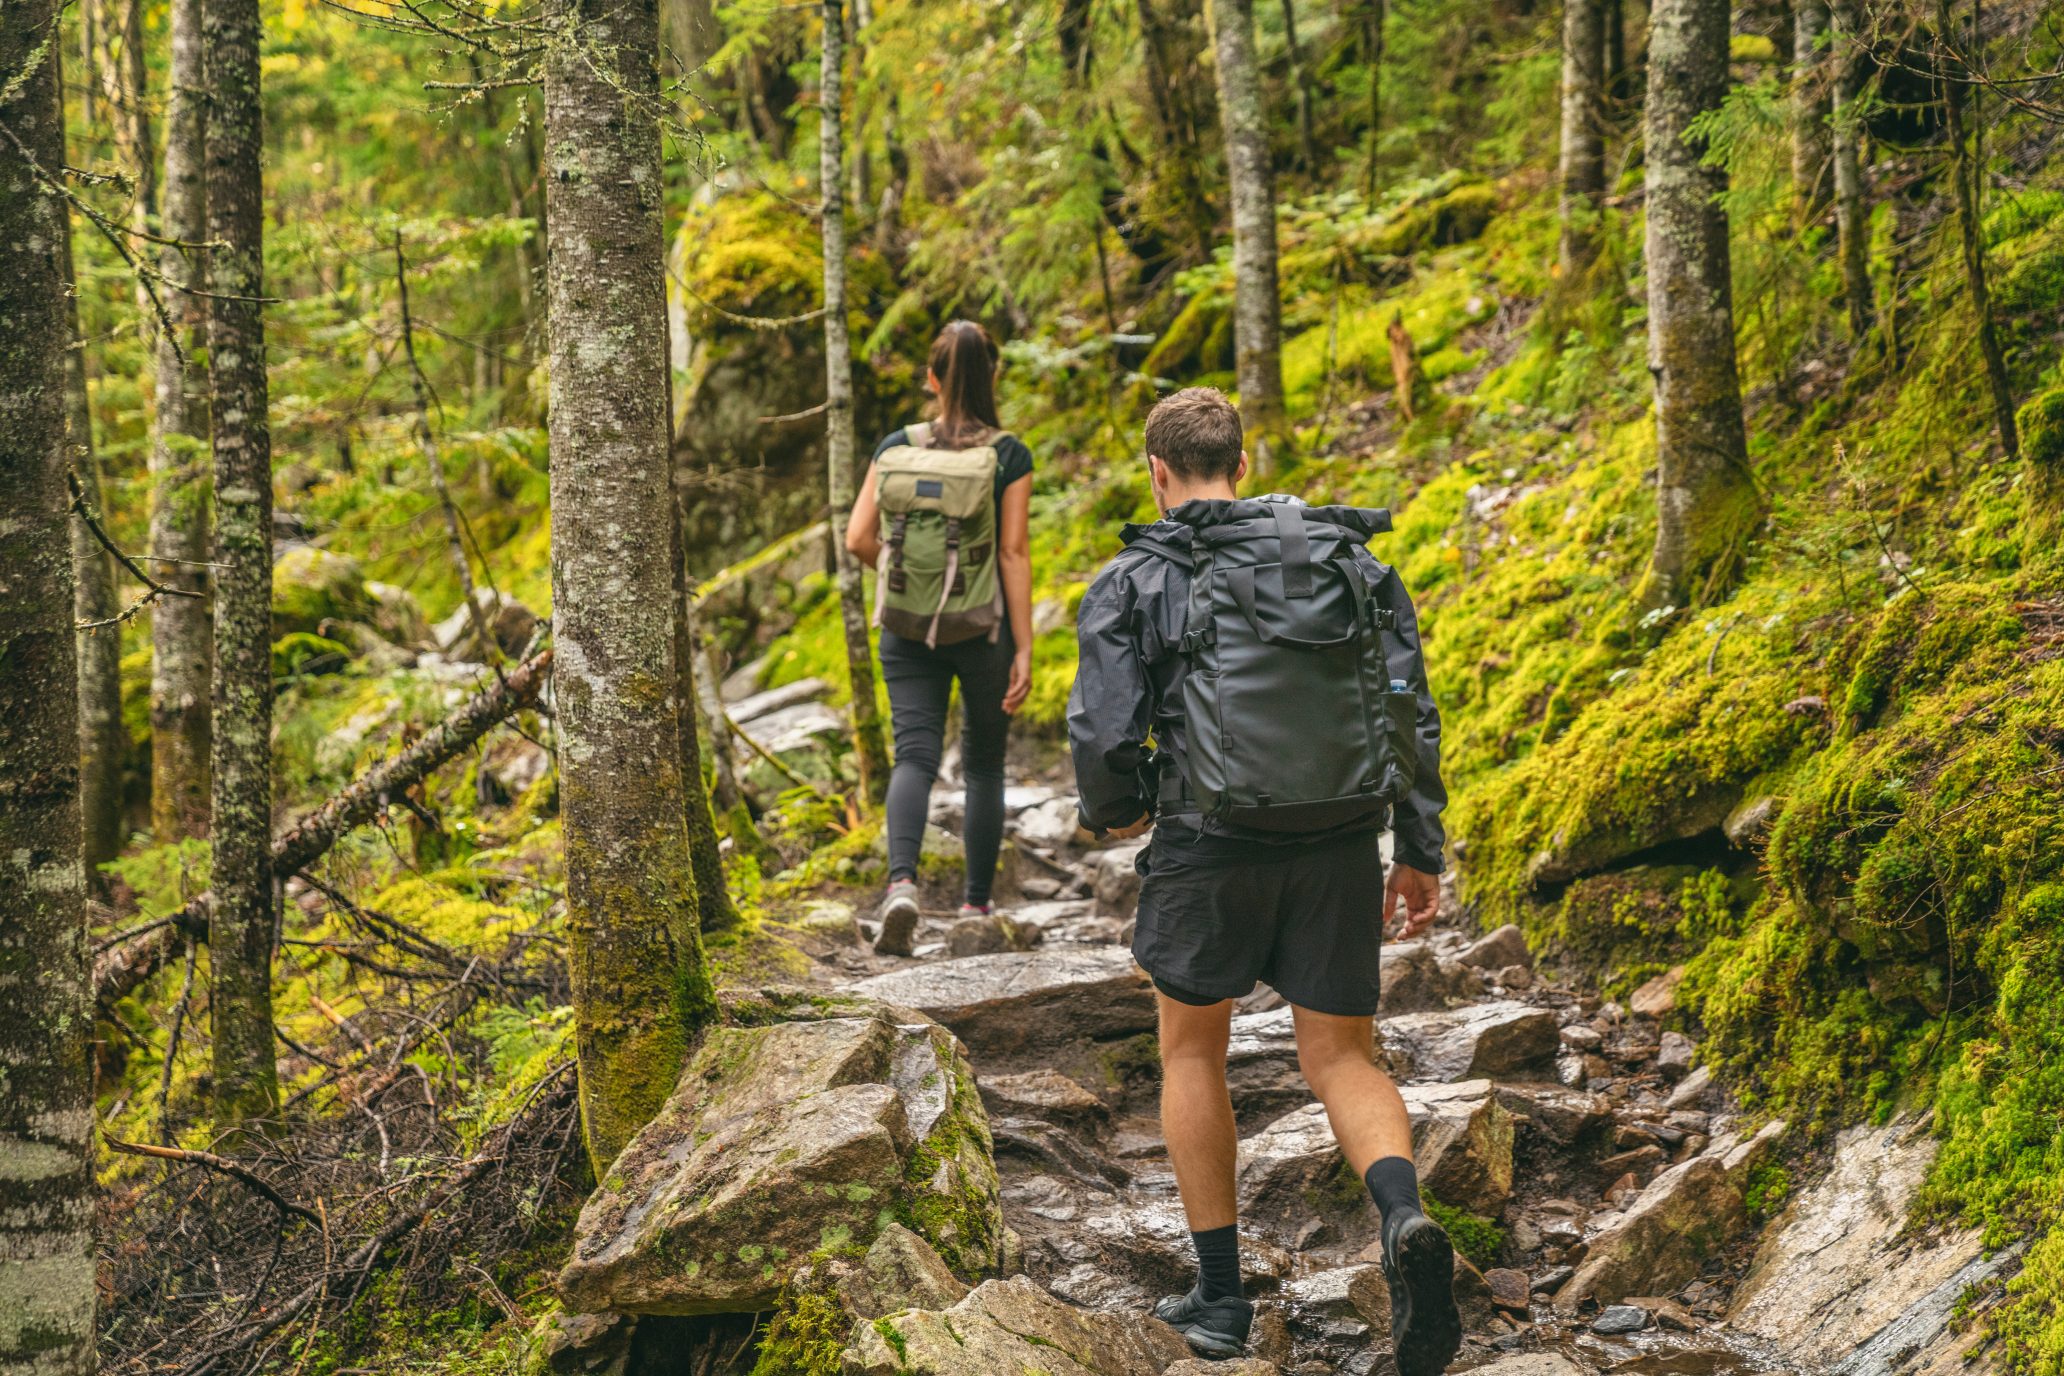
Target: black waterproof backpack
(1294, 723)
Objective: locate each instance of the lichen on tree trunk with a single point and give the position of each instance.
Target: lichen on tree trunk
(46, 1111)
(714, 908)
(1809, 107)
(870, 752)
(1845, 141)
(1706, 501)
(1257, 306)
(182, 653)
(640, 989)
(240, 923)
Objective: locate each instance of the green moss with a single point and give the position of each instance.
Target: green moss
(805, 1337)
(2041, 422)
(1769, 1186)
(298, 653)
(1478, 1239)
(893, 1336)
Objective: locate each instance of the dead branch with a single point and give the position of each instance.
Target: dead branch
(223, 1165)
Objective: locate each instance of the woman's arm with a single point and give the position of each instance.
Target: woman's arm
(863, 528)
(1014, 563)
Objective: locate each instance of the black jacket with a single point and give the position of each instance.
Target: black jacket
(1127, 697)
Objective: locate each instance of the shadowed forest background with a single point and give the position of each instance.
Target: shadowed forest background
(1786, 748)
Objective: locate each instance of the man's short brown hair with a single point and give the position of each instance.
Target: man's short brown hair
(1196, 432)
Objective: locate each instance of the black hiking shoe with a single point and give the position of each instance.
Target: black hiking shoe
(899, 916)
(1419, 1264)
(1214, 1328)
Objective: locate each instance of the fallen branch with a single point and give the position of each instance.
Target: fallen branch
(121, 969)
(222, 1164)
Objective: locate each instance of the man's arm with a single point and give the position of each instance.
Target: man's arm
(1416, 820)
(1110, 709)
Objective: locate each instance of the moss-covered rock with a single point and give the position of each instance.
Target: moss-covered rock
(781, 1143)
(310, 586)
(2041, 422)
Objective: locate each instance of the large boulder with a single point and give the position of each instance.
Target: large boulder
(1819, 1284)
(1012, 1326)
(1291, 1167)
(1462, 1144)
(1413, 980)
(900, 1271)
(1261, 1066)
(311, 586)
(1496, 1039)
(1115, 873)
(782, 1140)
(508, 622)
(1021, 1000)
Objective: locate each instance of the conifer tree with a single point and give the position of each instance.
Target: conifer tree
(46, 1106)
(1846, 137)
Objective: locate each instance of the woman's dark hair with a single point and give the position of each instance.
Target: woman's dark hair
(964, 359)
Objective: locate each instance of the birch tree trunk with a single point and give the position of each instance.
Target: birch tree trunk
(1705, 499)
(640, 989)
(1845, 143)
(46, 1113)
(102, 736)
(869, 752)
(1809, 96)
(1257, 309)
(240, 924)
(182, 653)
(1970, 227)
(1583, 134)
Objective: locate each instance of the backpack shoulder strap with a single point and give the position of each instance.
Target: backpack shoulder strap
(919, 435)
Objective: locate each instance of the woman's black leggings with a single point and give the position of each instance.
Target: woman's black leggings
(920, 682)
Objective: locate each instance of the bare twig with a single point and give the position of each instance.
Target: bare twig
(222, 1165)
(85, 512)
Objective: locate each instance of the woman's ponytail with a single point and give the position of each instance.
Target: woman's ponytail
(964, 360)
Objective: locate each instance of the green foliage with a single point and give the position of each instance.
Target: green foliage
(2041, 423)
(805, 1337)
(1769, 1186)
(1478, 1239)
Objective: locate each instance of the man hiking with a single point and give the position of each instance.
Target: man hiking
(1251, 688)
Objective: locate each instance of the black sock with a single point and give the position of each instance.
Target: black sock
(1393, 1183)
(1218, 1262)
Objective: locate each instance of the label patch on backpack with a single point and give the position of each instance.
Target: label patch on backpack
(930, 487)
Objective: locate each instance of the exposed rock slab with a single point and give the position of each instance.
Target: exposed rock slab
(778, 1141)
(1462, 1143)
(1011, 1326)
(1413, 979)
(1018, 1000)
(900, 1271)
(1819, 1281)
(1531, 1364)
(1495, 1039)
(1497, 949)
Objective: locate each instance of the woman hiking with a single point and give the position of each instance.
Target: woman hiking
(945, 517)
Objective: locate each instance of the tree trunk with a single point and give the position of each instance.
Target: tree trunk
(1705, 500)
(1301, 90)
(1583, 134)
(1170, 93)
(182, 650)
(1257, 309)
(714, 909)
(1964, 173)
(640, 989)
(860, 175)
(102, 737)
(1846, 136)
(1809, 96)
(46, 1113)
(1405, 371)
(240, 927)
(869, 752)
(1369, 16)
(1616, 73)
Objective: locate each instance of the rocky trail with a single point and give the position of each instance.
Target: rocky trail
(1610, 1192)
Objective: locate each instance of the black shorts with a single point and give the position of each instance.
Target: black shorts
(1308, 921)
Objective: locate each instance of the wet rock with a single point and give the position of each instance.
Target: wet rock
(1473, 1296)
(1239, 1366)
(1261, 1067)
(1531, 1364)
(778, 1141)
(1673, 1055)
(509, 623)
(1499, 948)
(1684, 1217)
(1413, 981)
(1041, 1094)
(1052, 825)
(760, 706)
(1462, 1144)
(1510, 1290)
(1819, 1281)
(900, 1271)
(1620, 1318)
(805, 726)
(1338, 1291)
(1499, 1038)
(1116, 878)
(1691, 1089)
(1659, 995)
(830, 920)
(1581, 1038)
(585, 1344)
(1517, 978)
(1008, 1326)
(1289, 1167)
(1641, 1162)
(1005, 1003)
(1667, 1313)
(1551, 1279)
(1749, 823)
(988, 934)
(1563, 1116)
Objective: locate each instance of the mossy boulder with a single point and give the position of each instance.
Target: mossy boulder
(782, 1143)
(311, 586)
(1013, 1326)
(2041, 423)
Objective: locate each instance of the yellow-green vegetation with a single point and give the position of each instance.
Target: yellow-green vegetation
(1478, 1239)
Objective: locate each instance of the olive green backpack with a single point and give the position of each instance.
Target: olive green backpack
(937, 573)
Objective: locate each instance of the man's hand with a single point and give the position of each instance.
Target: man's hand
(1419, 892)
(1020, 681)
(1132, 829)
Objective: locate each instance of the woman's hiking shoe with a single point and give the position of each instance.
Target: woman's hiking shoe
(1419, 1264)
(1214, 1328)
(898, 919)
(978, 910)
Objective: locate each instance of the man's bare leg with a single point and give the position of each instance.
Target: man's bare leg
(1203, 1146)
(1337, 1056)
(1197, 1109)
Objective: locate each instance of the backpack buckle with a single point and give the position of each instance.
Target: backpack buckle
(1193, 641)
(1383, 618)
